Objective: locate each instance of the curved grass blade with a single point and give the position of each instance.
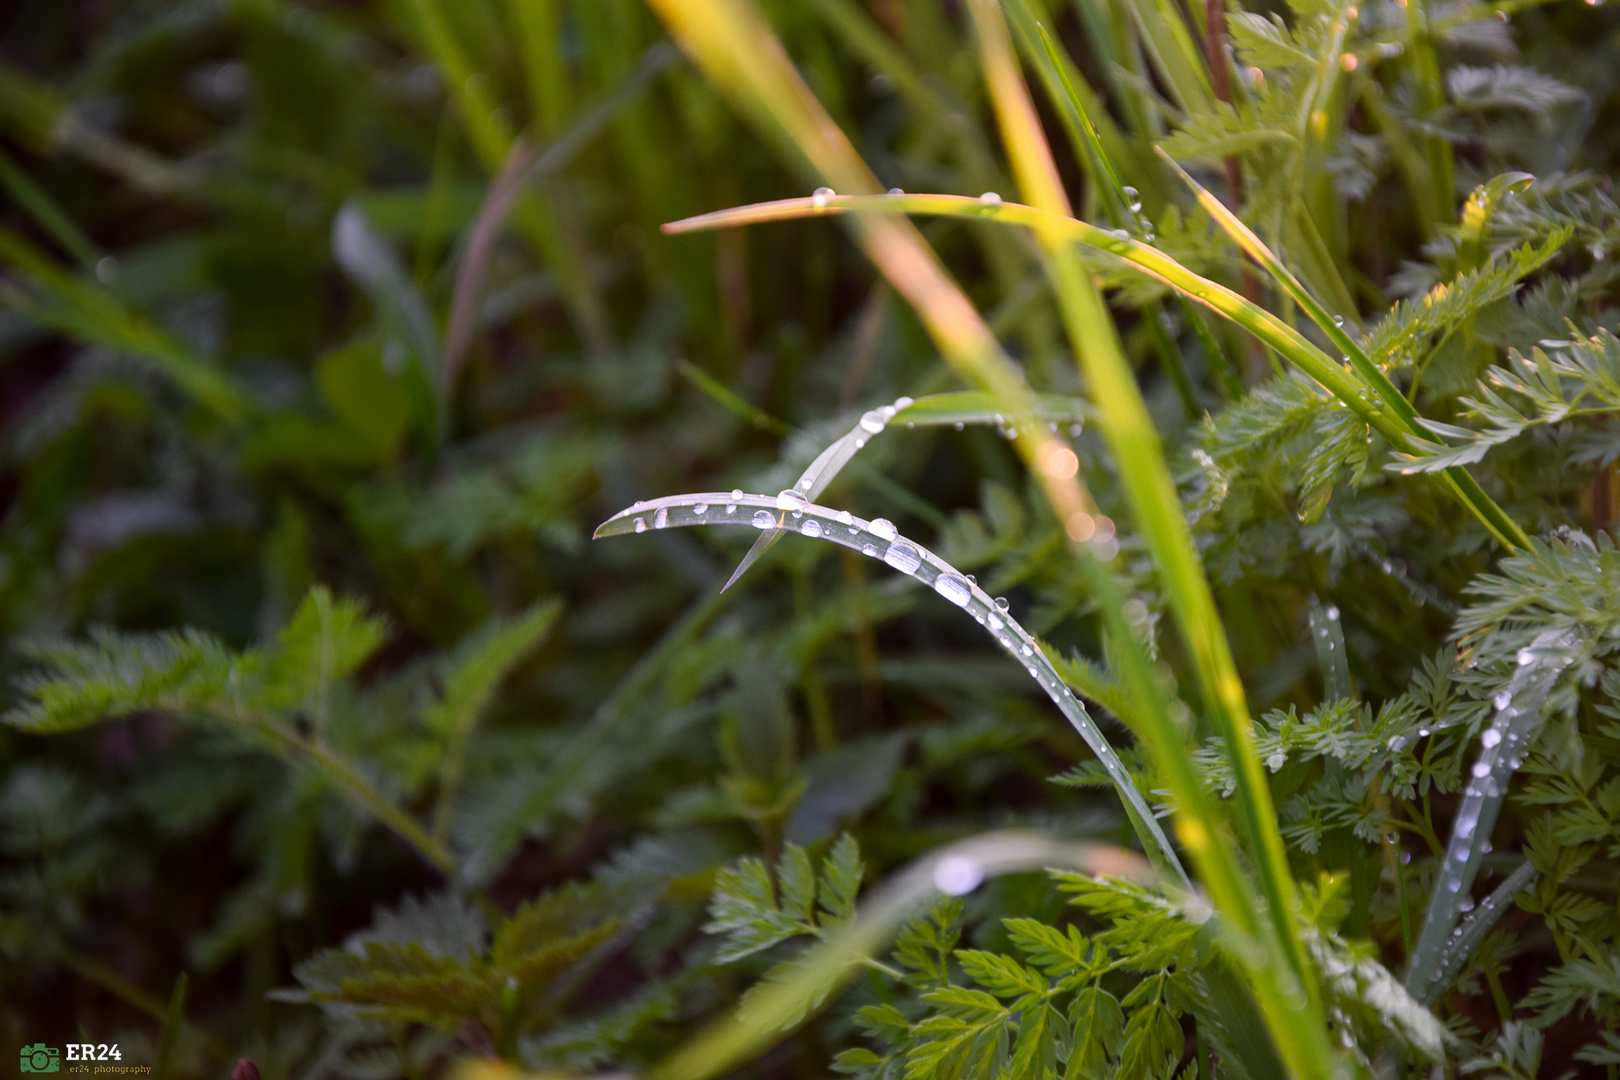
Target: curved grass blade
(877, 539)
(959, 409)
(774, 1008)
(1473, 930)
(1503, 527)
(1518, 719)
(1338, 381)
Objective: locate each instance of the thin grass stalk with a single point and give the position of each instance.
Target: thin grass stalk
(1139, 457)
(1503, 527)
(1272, 331)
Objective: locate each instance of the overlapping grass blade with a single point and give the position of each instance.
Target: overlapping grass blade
(959, 409)
(1518, 719)
(1290, 343)
(1472, 931)
(790, 511)
(1138, 455)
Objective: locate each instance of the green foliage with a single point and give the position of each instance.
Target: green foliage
(302, 432)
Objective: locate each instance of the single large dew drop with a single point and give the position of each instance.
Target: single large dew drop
(661, 519)
(903, 557)
(764, 519)
(953, 588)
(811, 527)
(883, 529)
(873, 422)
(788, 499)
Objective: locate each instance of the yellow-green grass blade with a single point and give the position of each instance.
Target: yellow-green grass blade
(1139, 457)
(1174, 53)
(1504, 528)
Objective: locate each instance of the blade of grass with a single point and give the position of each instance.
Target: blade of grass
(1518, 719)
(62, 300)
(1473, 930)
(1151, 491)
(1272, 331)
(1174, 52)
(43, 209)
(1503, 527)
(877, 539)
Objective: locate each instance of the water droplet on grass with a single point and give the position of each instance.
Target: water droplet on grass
(869, 551)
(953, 589)
(822, 194)
(811, 527)
(661, 519)
(990, 198)
(883, 529)
(903, 557)
(1001, 603)
(1490, 738)
(873, 421)
(700, 509)
(789, 499)
(641, 525)
(764, 519)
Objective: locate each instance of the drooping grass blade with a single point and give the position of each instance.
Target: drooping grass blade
(878, 539)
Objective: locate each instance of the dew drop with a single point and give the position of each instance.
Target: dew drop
(869, 551)
(789, 499)
(764, 519)
(960, 426)
(1001, 603)
(993, 622)
(903, 557)
(822, 194)
(1502, 700)
(736, 493)
(883, 529)
(1133, 198)
(971, 580)
(1526, 657)
(700, 509)
(873, 421)
(990, 198)
(1119, 234)
(1027, 651)
(1490, 738)
(953, 589)
(957, 875)
(845, 517)
(641, 525)
(1338, 320)
(904, 402)
(896, 191)
(661, 519)
(1481, 770)
(811, 527)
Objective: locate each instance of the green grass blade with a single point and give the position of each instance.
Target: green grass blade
(778, 1008)
(1473, 930)
(1518, 720)
(877, 539)
(1504, 528)
(61, 300)
(1298, 1026)
(43, 209)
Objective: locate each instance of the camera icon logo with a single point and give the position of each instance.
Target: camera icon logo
(40, 1058)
